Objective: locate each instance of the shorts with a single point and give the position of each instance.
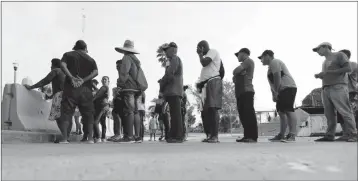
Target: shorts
(286, 100)
(55, 112)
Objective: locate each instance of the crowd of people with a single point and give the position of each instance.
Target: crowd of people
(73, 86)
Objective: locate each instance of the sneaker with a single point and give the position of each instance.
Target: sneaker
(240, 140)
(97, 140)
(205, 140)
(213, 139)
(325, 139)
(161, 138)
(89, 141)
(125, 140)
(342, 138)
(172, 140)
(61, 141)
(289, 138)
(103, 140)
(115, 138)
(278, 137)
(352, 138)
(138, 140)
(84, 139)
(249, 140)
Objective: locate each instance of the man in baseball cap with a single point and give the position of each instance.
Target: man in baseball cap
(324, 44)
(284, 89)
(244, 93)
(335, 94)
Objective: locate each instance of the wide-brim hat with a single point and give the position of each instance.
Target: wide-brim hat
(127, 47)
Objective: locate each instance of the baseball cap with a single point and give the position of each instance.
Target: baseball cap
(243, 50)
(266, 52)
(80, 44)
(322, 44)
(171, 44)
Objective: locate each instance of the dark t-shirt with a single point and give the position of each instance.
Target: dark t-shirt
(102, 96)
(79, 64)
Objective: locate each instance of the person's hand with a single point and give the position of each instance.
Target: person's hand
(28, 87)
(199, 51)
(320, 75)
(275, 97)
(77, 81)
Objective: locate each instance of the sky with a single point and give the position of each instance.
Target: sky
(35, 32)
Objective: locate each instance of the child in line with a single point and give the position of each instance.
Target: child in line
(153, 126)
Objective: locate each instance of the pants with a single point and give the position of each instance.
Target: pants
(100, 118)
(141, 117)
(211, 121)
(183, 112)
(117, 123)
(205, 124)
(130, 115)
(176, 125)
(76, 97)
(334, 98)
(245, 106)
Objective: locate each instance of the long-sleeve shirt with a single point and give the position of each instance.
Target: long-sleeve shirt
(128, 72)
(172, 82)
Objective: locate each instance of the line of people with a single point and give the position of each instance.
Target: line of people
(71, 81)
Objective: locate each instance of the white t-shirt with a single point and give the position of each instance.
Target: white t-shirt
(213, 68)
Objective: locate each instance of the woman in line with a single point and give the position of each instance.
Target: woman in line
(57, 78)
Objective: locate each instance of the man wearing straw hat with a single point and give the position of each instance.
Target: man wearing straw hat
(127, 83)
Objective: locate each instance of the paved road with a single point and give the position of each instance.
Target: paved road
(192, 160)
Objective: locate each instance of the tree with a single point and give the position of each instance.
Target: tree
(162, 58)
(229, 99)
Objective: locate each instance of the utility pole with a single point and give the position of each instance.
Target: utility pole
(83, 23)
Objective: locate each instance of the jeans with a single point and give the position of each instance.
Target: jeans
(334, 98)
(176, 121)
(245, 106)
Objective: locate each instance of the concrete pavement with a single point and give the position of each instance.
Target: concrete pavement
(192, 160)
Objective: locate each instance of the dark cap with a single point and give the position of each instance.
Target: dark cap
(171, 44)
(95, 81)
(266, 52)
(80, 45)
(243, 50)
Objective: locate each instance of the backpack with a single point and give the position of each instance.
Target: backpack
(140, 78)
(222, 70)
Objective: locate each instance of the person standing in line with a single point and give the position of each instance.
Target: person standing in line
(141, 111)
(57, 78)
(101, 104)
(94, 90)
(352, 89)
(184, 100)
(129, 74)
(210, 86)
(284, 89)
(335, 96)
(77, 116)
(80, 69)
(153, 126)
(244, 92)
(171, 86)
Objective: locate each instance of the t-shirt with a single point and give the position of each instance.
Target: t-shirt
(213, 69)
(102, 96)
(243, 81)
(79, 64)
(352, 78)
(334, 62)
(287, 81)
